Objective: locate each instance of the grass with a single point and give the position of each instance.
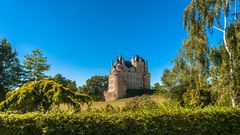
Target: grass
(118, 103)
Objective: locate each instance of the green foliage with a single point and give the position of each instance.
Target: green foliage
(140, 103)
(159, 89)
(42, 95)
(179, 79)
(221, 83)
(220, 77)
(233, 39)
(157, 86)
(108, 108)
(203, 74)
(168, 80)
(11, 72)
(201, 98)
(208, 12)
(223, 68)
(35, 65)
(213, 121)
(95, 87)
(65, 82)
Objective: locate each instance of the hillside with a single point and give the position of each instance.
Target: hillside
(119, 103)
(122, 102)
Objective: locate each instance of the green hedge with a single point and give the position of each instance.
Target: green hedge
(210, 121)
(139, 92)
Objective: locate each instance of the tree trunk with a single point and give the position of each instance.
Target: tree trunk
(233, 100)
(233, 93)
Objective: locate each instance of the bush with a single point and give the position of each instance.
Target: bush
(140, 103)
(211, 121)
(201, 98)
(42, 95)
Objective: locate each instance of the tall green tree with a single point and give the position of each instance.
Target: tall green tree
(157, 87)
(168, 80)
(179, 79)
(200, 15)
(11, 72)
(220, 76)
(65, 82)
(95, 87)
(36, 65)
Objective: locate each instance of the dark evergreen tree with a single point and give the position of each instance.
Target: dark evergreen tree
(11, 72)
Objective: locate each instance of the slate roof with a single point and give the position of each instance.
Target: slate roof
(128, 64)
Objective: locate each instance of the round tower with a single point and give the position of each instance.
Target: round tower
(117, 87)
(138, 63)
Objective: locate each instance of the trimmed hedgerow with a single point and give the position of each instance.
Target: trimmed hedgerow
(212, 121)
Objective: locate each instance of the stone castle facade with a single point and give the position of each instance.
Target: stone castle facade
(126, 75)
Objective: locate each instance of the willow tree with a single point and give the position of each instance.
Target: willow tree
(214, 15)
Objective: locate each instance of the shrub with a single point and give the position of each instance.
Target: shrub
(41, 95)
(140, 103)
(201, 98)
(209, 120)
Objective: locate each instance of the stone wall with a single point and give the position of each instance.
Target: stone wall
(117, 87)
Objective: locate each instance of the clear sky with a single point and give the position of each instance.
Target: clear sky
(81, 37)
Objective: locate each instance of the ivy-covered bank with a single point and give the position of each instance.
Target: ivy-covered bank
(212, 121)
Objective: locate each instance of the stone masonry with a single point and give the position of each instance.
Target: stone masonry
(126, 75)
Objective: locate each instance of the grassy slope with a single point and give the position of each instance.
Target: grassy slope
(121, 102)
(118, 103)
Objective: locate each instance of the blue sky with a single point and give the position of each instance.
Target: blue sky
(81, 37)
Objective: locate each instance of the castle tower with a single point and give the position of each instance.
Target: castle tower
(138, 63)
(147, 77)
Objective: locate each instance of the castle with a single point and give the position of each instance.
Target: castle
(126, 75)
